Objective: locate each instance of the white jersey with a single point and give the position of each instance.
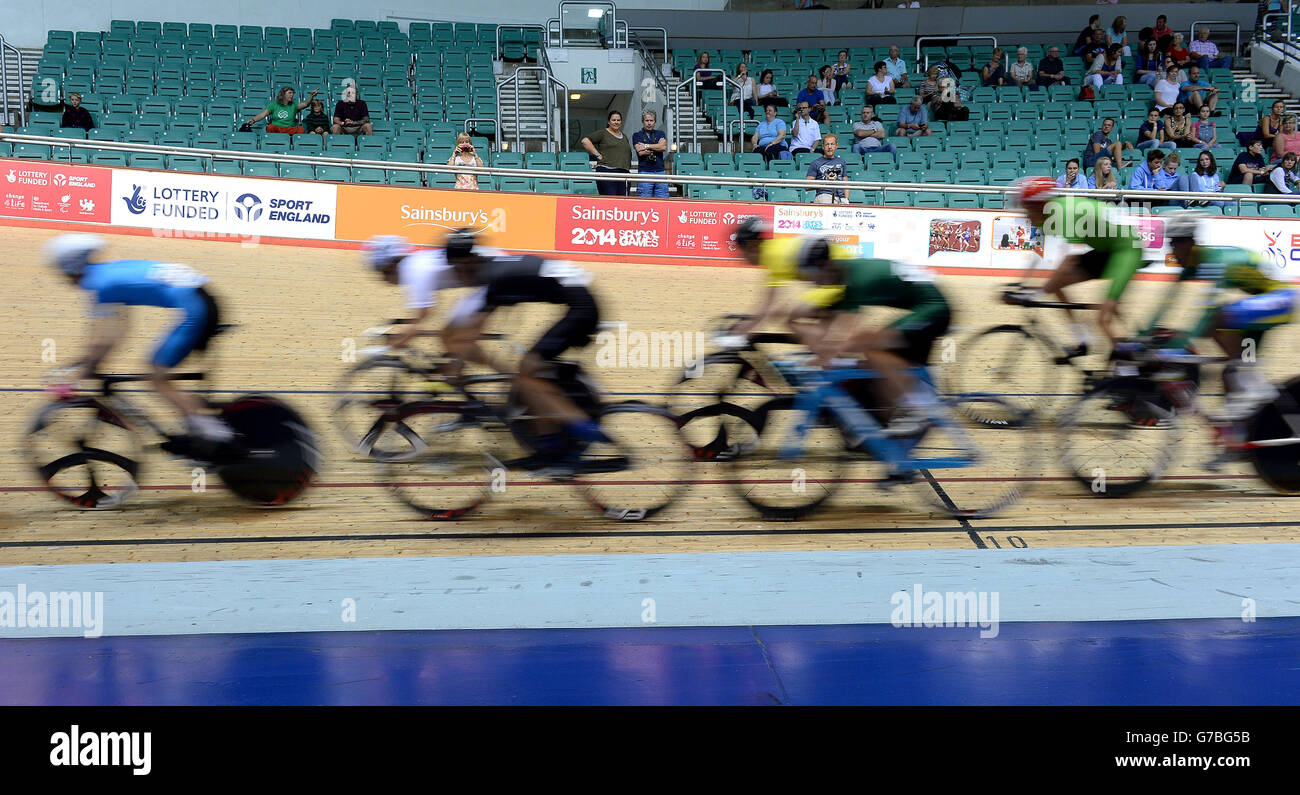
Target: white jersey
(422, 274)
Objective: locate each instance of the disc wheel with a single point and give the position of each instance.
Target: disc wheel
(1279, 466)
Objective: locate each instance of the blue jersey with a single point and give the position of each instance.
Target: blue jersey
(142, 283)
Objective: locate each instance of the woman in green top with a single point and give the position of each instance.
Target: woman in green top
(284, 113)
(316, 120)
(613, 154)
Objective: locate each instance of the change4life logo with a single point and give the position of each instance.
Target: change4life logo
(248, 207)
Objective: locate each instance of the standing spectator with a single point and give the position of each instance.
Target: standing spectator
(283, 113)
(612, 152)
(1178, 127)
(805, 133)
(1021, 72)
(1168, 178)
(1095, 48)
(913, 120)
(841, 71)
(1152, 133)
(651, 147)
(1287, 139)
(1161, 32)
(1051, 70)
(880, 87)
(1166, 90)
(1179, 55)
(76, 116)
(1282, 176)
(1144, 176)
(813, 96)
(1103, 175)
(767, 93)
(1101, 144)
(351, 116)
(1249, 166)
(316, 122)
(465, 156)
(709, 80)
(829, 168)
(770, 137)
(994, 73)
(1207, 52)
(1107, 69)
(743, 97)
(1084, 40)
(870, 135)
(1072, 178)
(826, 85)
(1203, 129)
(897, 67)
(1205, 179)
(1150, 63)
(1196, 91)
(1118, 34)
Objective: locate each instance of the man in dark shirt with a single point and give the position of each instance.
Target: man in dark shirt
(1051, 70)
(1249, 165)
(351, 115)
(76, 116)
(1096, 47)
(651, 146)
(813, 96)
(829, 167)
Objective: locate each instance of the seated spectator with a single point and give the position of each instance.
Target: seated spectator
(1178, 127)
(1152, 133)
(1107, 69)
(805, 132)
(1207, 52)
(1102, 144)
(1205, 179)
(1166, 90)
(1021, 72)
(1249, 166)
(711, 79)
(1168, 178)
(743, 97)
(1118, 34)
(1283, 176)
(651, 147)
(1144, 176)
(1162, 32)
(76, 116)
(316, 121)
(1268, 127)
(351, 116)
(897, 67)
(1094, 49)
(813, 96)
(829, 168)
(1197, 91)
(1286, 140)
(767, 93)
(770, 138)
(880, 86)
(1084, 40)
(870, 135)
(826, 84)
(1150, 63)
(465, 156)
(1178, 55)
(283, 113)
(1072, 178)
(841, 71)
(613, 154)
(945, 102)
(1103, 175)
(1203, 129)
(913, 120)
(994, 73)
(1051, 70)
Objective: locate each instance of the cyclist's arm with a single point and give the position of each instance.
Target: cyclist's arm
(108, 323)
(411, 329)
(1166, 301)
(759, 315)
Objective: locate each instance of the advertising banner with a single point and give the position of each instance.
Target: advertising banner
(590, 224)
(520, 221)
(852, 227)
(54, 191)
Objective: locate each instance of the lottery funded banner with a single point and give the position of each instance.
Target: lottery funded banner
(54, 191)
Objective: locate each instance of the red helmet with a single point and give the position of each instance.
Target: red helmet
(1035, 190)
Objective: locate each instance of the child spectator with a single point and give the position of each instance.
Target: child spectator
(841, 71)
(76, 116)
(1203, 129)
(316, 121)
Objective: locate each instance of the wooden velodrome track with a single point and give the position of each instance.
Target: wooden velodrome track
(298, 305)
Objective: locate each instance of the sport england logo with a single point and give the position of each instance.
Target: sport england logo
(60, 180)
(248, 207)
(136, 203)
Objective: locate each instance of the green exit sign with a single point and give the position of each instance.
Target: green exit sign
(589, 76)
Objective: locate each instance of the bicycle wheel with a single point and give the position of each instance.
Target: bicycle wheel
(454, 471)
(716, 428)
(787, 489)
(1119, 438)
(283, 454)
(654, 462)
(1277, 466)
(1009, 363)
(85, 453)
(365, 412)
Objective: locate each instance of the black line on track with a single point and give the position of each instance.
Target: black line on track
(965, 525)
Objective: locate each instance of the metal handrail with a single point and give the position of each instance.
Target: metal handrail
(663, 32)
(621, 25)
(465, 127)
(1236, 26)
(498, 52)
(695, 103)
(740, 133)
(547, 95)
(612, 15)
(955, 37)
(6, 47)
(557, 41)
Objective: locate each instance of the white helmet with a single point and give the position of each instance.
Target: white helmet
(71, 253)
(1182, 225)
(382, 251)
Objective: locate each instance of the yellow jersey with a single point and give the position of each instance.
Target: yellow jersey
(780, 258)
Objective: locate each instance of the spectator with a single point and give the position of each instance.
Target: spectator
(913, 120)
(770, 138)
(743, 97)
(465, 156)
(1144, 176)
(1108, 69)
(1101, 144)
(1286, 140)
(880, 87)
(1179, 55)
(1268, 127)
(1072, 178)
(1205, 179)
(1249, 165)
(1150, 63)
(1103, 175)
(767, 93)
(1203, 129)
(351, 116)
(813, 96)
(711, 79)
(1152, 133)
(283, 113)
(1051, 70)
(826, 85)
(76, 116)
(805, 132)
(651, 147)
(897, 67)
(994, 73)
(1196, 91)
(612, 152)
(1282, 176)
(1178, 127)
(1094, 49)
(870, 135)
(1166, 90)
(841, 71)
(1162, 33)
(1207, 52)
(1118, 34)
(316, 122)
(1021, 72)
(945, 102)
(1084, 40)
(1168, 178)
(829, 168)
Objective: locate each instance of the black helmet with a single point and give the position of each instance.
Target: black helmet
(460, 244)
(816, 253)
(750, 230)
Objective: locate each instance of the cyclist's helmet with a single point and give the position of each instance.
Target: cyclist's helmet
(382, 251)
(1182, 225)
(460, 244)
(1031, 191)
(751, 230)
(814, 254)
(72, 253)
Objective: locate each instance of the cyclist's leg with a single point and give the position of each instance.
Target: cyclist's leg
(574, 330)
(193, 333)
(1239, 328)
(905, 344)
(1076, 269)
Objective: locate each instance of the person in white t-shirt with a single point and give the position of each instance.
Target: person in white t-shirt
(805, 133)
(880, 87)
(1167, 89)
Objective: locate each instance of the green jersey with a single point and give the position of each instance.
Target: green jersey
(1088, 222)
(283, 115)
(880, 282)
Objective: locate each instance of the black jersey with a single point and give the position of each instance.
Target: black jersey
(523, 279)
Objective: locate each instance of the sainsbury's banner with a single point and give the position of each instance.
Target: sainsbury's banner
(54, 192)
(595, 225)
(224, 205)
(519, 221)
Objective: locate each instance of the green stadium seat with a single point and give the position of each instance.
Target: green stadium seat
(185, 163)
